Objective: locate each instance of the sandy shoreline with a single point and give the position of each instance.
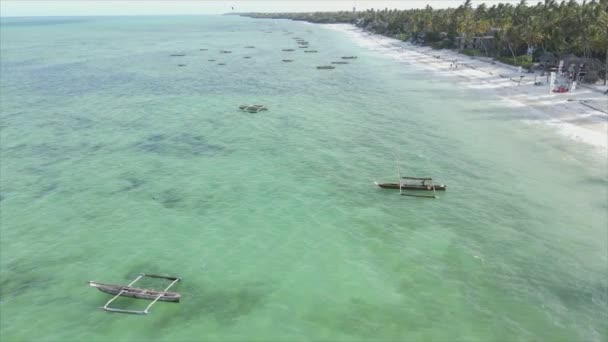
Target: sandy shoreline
(581, 115)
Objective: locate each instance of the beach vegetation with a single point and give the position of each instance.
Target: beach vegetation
(402, 36)
(524, 61)
(443, 44)
(472, 52)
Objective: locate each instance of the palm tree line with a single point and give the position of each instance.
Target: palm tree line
(519, 33)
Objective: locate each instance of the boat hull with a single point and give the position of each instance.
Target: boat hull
(135, 292)
(411, 187)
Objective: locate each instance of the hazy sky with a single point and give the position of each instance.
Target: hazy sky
(13, 8)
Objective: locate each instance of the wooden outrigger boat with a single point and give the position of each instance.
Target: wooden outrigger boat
(135, 292)
(426, 184)
(253, 108)
(140, 293)
(406, 186)
(325, 67)
(413, 183)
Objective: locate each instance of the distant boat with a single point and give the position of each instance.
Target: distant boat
(204, 49)
(181, 65)
(246, 56)
(311, 51)
(221, 63)
(288, 60)
(211, 60)
(288, 50)
(177, 55)
(326, 67)
(250, 47)
(421, 184)
(225, 51)
(339, 62)
(349, 57)
(411, 186)
(253, 108)
(413, 183)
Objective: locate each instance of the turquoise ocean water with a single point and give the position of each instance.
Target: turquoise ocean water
(115, 161)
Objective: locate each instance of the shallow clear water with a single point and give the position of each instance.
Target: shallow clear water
(116, 161)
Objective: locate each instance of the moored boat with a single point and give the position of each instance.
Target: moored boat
(134, 292)
(253, 108)
(404, 186)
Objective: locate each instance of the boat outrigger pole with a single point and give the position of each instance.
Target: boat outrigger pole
(134, 292)
(422, 184)
(160, 295)
(105, 307)
(398, 172)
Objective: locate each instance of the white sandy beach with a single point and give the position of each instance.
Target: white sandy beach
(581, 115)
